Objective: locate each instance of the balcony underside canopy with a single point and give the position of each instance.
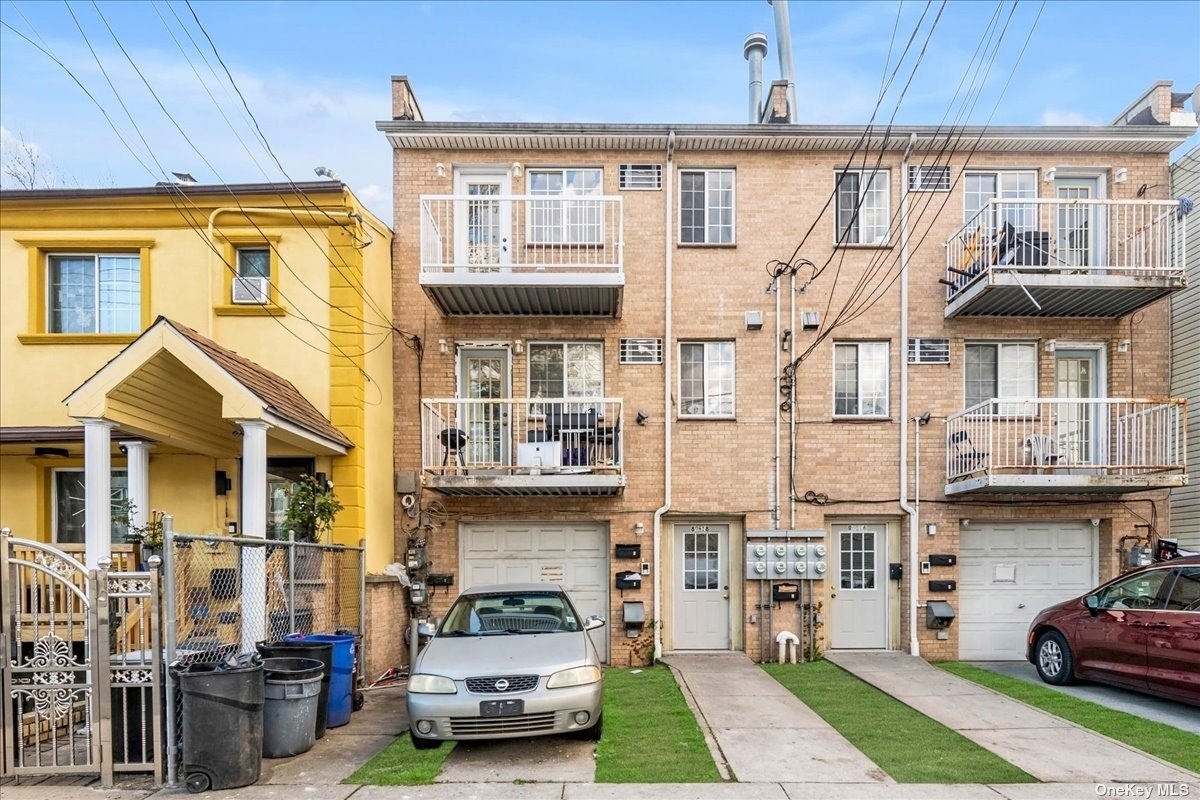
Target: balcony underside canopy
(1099, 483)
(549, 485)
(1009, 293)
(517, 294)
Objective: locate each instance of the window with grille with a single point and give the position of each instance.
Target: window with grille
(923, 178)
(928, 351)
(641, 177)
(641, 351)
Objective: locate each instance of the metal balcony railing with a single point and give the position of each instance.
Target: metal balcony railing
(519, 233)
(522, 436)
(1057, 438)
(1135, 239)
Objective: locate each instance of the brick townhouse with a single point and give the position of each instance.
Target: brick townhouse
(603, 397)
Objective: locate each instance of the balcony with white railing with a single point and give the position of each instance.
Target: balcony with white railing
(510, 255)
(523, 446)
(1066, 445)
(1064, 258)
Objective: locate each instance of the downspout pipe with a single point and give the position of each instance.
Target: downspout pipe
(913, 513)
(783, 35)
(668, 352)
(755, 50)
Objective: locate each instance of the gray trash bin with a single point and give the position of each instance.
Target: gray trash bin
(291, 693)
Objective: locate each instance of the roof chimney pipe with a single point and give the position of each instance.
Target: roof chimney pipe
(783, 35)
(755, 50)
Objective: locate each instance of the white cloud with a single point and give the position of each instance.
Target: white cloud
(1059, 116)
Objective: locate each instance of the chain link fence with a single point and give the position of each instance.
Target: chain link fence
(223, 595)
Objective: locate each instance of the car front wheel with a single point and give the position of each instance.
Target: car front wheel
(1053, 659)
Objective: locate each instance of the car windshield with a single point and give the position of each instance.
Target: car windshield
(510, 613)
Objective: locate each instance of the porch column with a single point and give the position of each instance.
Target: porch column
(137, 455)
(97, 490)
(254, 525)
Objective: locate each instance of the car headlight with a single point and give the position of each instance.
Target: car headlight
(579, 676)
(431, 684)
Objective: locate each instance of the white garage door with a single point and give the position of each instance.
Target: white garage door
(1010, 571)
(572, 554)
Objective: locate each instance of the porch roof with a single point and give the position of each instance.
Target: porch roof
(173, 384)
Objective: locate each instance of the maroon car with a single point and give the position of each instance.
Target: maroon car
(1139, 631)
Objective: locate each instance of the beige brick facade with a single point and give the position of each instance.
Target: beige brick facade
(722, 470)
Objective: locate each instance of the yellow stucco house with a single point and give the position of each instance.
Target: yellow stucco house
(193, 349)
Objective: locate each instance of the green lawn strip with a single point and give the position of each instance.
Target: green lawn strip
(1156, 738)
(905, 743)
(401, 764)
(650, 734)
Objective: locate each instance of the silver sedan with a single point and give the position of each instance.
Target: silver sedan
(507, 661)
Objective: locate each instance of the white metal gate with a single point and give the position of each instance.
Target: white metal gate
(81, 665)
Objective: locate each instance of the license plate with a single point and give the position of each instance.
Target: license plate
(501, 708)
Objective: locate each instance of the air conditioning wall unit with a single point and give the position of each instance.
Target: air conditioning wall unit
(251, 291)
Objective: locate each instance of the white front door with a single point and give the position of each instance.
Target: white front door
(701, 587)
(484, 379)
(1080, 223)
(1081, 426)
(860, 592)
(482, 221)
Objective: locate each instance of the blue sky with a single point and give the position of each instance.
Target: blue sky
(316, 74)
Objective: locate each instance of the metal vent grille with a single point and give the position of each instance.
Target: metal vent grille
(928, 178)
(641, 351)
(929, 351)
(511, 683)
(641, 177)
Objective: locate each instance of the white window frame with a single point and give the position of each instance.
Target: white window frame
(96, 295)
(1006, 409)
(564, 204)
(706, 343)
(564, 344)
(237, 254)
(54, 473)
(863, 188)
(887, 379)
(999, 175)
(708, 171)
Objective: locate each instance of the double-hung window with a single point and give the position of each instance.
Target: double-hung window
(863, 206)
(566, 220)
(69, 507)
(706, 206)
(94, 293)
(1011, 185)
(706, 379)
(860, 379)
(565, 371)
(1002, 370)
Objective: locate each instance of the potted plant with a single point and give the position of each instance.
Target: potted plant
(311, 510)
(148, 536)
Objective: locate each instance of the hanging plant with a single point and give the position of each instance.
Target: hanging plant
(311, 509)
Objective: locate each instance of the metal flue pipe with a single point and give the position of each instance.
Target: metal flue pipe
(783, 36)
(755, 50)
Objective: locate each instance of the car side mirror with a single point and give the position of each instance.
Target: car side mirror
(1093, 604)
(592, 623)
(426, 629)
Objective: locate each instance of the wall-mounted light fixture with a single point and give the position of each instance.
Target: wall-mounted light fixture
(1123, 346)
(443, 347)
(1049, 175)
(931, 529)
(639, 528)
(518, 346)
(1121, 175)
(517, 169)
(641, 417)
(439, 169)
(965, 523)
(1095, 522)
(1050, 345)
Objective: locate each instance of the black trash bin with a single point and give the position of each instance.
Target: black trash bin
(222, 723)
(318, 651)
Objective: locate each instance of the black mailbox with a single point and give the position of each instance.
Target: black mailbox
(440, 579)
(629, 551)
(943, 559)
(628, 579)
(896, 571)
(938, 614)
(943, 586)
(785, 592)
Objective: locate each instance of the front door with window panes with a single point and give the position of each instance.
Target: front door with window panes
(483, 380)
(482, 221)
(701, 587)
(94, 293)
(860, 593)
(1080, 425)
(69, 506)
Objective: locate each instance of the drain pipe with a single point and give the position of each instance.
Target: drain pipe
(913, 513)
(668, 350)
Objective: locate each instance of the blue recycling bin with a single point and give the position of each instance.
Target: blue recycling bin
(341, 681)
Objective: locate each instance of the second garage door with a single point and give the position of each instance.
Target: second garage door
(573, 554)
(1010, 571)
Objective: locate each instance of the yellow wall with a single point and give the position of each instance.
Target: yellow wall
(189, 283)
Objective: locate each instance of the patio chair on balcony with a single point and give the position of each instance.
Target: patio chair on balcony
(966, 458)
(1041, 450)
(454, 440)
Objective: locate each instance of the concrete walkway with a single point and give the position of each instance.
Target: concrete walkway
(1168, 712)
(1047, 747)
(764, 733)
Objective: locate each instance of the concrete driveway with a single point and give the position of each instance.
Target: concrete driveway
(536, 759)
(1168, 712)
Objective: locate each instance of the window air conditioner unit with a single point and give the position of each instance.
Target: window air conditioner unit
(250, 291)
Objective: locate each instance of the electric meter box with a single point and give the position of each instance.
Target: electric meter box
(802, 557)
